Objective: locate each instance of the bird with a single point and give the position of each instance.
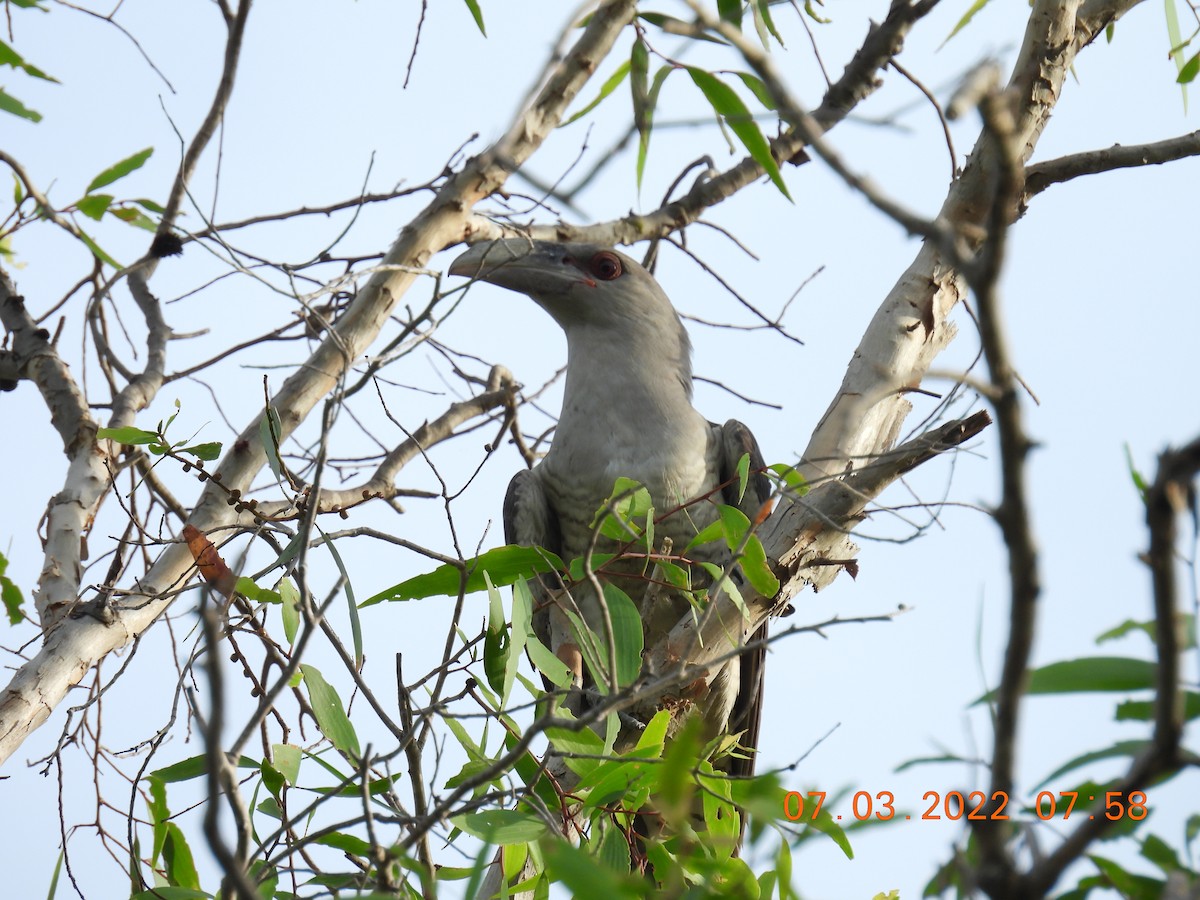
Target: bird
(627, 412)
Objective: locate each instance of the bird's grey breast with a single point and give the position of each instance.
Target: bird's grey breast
(675, 466)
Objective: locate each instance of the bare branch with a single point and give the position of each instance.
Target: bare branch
(1042, 175)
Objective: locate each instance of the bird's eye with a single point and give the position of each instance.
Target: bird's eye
(606, 266)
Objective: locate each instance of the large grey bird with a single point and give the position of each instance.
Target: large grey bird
(627, 411)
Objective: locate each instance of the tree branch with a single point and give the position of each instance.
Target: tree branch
(1042, 175)
(859, 80)
(1171, 494)
(71, 649)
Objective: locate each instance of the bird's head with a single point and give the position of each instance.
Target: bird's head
(580, 285)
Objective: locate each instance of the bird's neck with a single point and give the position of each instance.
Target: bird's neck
(638, 379)
(627, 411)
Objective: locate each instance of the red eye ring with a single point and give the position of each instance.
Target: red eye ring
(606, 266)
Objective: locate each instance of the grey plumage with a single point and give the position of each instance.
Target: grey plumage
(627, 411)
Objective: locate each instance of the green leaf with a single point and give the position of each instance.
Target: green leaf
(194, 767)
(501, 826)
(578, 567)
(10, 57)
(714, 531)
(270, 807)
(679, 26)
(743, 474)
(720, 817)
(120, 170)
(331, 715)
(1119, 749)
(272, 778)
(627, 634)
(10, 595)
(544, 661)
(1126, 883)
(496, 643)
(289, 608)
(159, 813)
(504, 565)
(753, 556)
(727, 104)
(513, 860)
(755, 85)
(731, 11)
(610, 84)
(586, 876)
(127, 435)
(482, 862)
(1191, 829)
(208, 451)
(477, 15)
(347, 843)
(149, 205)
(266, 877)
(627, 784)
(249, 589)
(929, 761)
(472, 768)
(756, 568)
(676, 787)
(648, 117)
(628, 502)
(351, 605)
(763, 23)
(784, 870)
(654, 736)
(58, 871)
(1088, 674)
(270, 431)
(612, 849)
(170, 892)
(677, 577)
(1157, 851)
(965, 20)
(582, 741)
(94, 205)
(792, 480)
(133, 217)
(1175, 36)
(1185, 623)
(727, 586)
(1187, 74)
(639, 67)
(97, 250)
(286, 760)
(1143, 710)
(10, 104)
(354, 790)
(812, 13)
(177, 855)
(522, 628)
(825, 824)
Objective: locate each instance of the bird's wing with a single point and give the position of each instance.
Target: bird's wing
(736, 442)
(530, 520)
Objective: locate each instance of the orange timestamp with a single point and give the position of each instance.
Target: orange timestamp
(973, 806)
